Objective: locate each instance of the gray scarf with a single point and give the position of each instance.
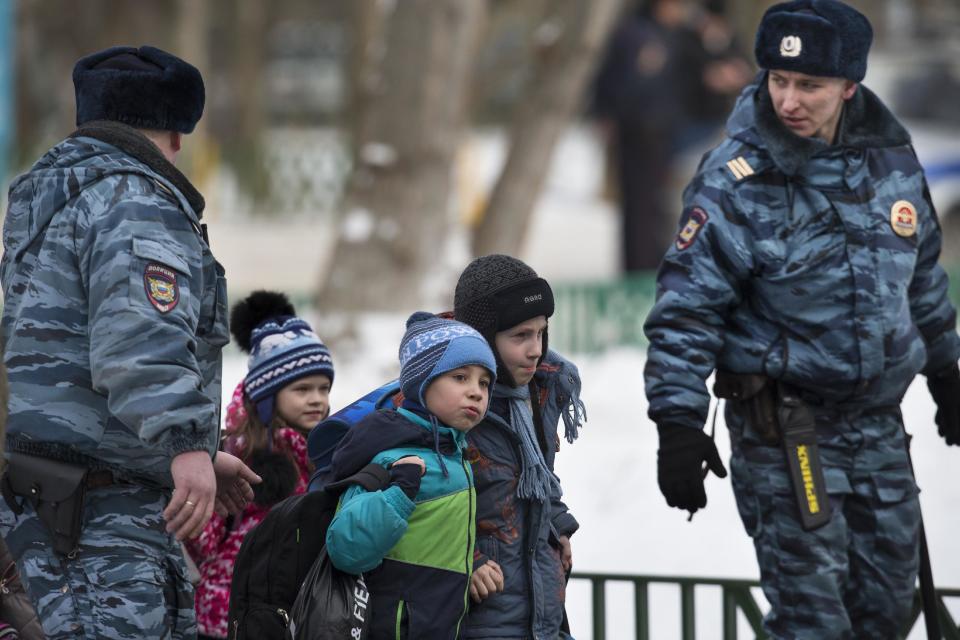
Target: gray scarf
(537, 481)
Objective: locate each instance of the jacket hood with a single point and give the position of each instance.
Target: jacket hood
(92, 153)
(865, 123)
(385, 429)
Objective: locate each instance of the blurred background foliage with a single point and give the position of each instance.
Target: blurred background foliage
(354, 114)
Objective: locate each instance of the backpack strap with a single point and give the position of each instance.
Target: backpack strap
(372, 477)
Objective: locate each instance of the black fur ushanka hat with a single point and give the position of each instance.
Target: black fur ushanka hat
(146, 88)
(815, 37)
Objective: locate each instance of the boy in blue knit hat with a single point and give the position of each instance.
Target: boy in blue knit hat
(414, 539)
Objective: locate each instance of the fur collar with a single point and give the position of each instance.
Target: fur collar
(865, 123)
(134, 143)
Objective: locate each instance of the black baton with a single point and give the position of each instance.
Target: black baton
(928, 592)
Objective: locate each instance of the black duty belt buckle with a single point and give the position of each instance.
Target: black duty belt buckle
(799, 436)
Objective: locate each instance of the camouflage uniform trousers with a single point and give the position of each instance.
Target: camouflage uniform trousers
(126, 582)
(854, 577)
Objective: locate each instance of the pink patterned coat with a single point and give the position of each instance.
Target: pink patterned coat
(215, 550)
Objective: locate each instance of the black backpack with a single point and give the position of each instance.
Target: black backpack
(277, 554)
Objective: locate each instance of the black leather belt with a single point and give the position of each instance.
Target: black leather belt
(102, 478)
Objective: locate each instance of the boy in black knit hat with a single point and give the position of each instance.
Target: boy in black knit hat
(523, 527)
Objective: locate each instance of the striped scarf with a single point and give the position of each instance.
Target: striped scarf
(537, 481)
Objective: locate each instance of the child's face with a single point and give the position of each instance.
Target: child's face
(459, 397)
(520, 347)
(305, 402)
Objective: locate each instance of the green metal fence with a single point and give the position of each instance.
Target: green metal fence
(592, 317)
(736, 595)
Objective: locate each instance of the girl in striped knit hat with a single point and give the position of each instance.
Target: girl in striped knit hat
(285, 393)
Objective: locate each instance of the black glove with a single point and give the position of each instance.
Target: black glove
(945, 389)
(683, 450)
(407, 477)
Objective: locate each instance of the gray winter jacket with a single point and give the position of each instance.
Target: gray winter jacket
(114, 308)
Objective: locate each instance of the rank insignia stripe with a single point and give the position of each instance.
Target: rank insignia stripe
(740, 168)
(903, 218)
(696, 218)
(160, 285)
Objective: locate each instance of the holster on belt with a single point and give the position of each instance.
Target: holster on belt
(55, 490)
(756, 395)
(778, 416)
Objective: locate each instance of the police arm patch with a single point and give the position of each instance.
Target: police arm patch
(160, 284)
(903, 218)
(695, 219)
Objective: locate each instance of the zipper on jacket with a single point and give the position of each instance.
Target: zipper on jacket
(399, 622)
(525, 549)
(469, 564)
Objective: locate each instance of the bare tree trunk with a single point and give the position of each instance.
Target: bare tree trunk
(571, 39)
(368, 21)
(191, 38)
(396, 206)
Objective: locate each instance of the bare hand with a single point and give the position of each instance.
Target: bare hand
(486, 581)
(412, 460)
(566, 553)
(194, 490)
(233, 483)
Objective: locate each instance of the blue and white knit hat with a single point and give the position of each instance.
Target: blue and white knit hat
(283, 348)
(432, 346)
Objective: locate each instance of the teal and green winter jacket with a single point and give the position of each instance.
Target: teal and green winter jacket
(416, 555)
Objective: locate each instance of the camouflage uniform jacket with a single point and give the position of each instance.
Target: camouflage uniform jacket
(115, 309)
(812, 263)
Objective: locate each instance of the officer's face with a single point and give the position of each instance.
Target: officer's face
(520, 347)
(810, 106)
(305, 402)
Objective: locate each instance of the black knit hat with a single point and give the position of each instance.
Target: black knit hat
(816, 37)
(497, 292)
(145, 88)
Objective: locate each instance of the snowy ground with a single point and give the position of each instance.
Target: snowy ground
(609, 479)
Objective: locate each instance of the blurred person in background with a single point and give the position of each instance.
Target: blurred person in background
(636, 101)
(713, 70)
(805, 274)
(667, 81)
(115, 316)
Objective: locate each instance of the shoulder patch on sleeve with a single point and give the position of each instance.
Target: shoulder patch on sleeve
(694, 220)
(740, 168)
(160, 283)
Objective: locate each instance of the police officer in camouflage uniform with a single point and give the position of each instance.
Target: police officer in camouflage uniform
(807, 259)
(115, 315)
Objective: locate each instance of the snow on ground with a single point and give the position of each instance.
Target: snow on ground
(609, 480)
